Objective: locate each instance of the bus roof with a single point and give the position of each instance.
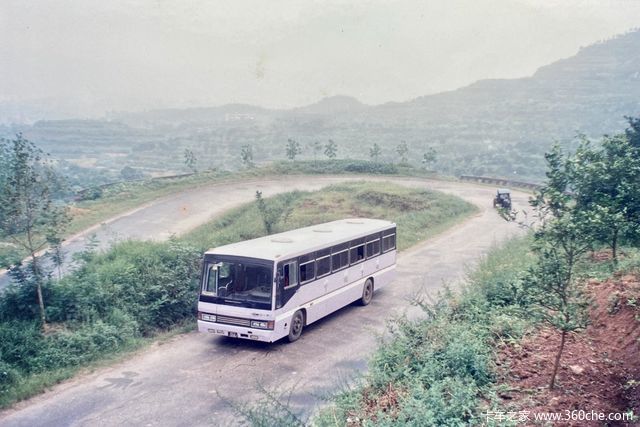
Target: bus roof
(302, 240)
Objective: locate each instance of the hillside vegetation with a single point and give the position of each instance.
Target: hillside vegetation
(482, 352)
(137, 291)
(492, 127)
(418, 213)
(440, 369)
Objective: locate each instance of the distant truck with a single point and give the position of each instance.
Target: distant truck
(502, 199)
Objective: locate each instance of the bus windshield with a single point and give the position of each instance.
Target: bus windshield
(236, 283)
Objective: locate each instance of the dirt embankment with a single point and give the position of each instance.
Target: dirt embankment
(600, 367)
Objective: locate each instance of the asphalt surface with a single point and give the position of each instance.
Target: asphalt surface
(197, 379)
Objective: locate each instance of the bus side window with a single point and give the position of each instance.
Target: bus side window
(290, 276)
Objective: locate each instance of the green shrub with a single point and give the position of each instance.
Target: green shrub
(20, 343)
(18, 302)
(335, 166)
(9, 376)
(87, 342)
(131, 291)
(450, 401)
(509, 326)
(500, 278)
(154, 283)
(10, 254)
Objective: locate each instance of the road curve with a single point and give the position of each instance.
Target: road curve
(191, 379)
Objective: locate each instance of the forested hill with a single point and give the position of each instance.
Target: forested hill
(494, 127)
(590, 91)
(512, 119)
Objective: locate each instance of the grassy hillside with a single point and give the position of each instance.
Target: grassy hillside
(137, 292)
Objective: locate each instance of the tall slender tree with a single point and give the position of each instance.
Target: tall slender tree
(246, 156)
(190, 160)
(293, 149)
(561, 237)
(403, 152)
(29, 215)
(374, 152)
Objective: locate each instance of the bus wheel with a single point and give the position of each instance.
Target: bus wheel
(367, 292)
(297, 324)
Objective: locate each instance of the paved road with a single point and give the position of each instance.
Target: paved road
(191, 379)
(178, 213)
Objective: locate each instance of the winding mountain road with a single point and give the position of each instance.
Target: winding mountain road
(191, 379)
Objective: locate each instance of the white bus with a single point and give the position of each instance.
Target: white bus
(272, 287)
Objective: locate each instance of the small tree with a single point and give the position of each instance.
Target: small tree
(429, 158)
(246, 155)
(268, 216)
(331, 149)
(29, 217)
(403, 151)
(561, 237)
(293, 149)
(190, 160)
(275, 212)
(606, 183)
(556, 292)
(374, 152)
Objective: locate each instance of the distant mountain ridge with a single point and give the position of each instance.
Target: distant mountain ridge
(495, 127)
(332, 105)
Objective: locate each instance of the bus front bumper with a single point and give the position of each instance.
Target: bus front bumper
(236, 331)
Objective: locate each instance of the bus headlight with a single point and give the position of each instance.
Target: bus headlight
(260, 324)
(206, 317)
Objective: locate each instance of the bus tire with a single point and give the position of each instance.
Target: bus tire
(367, 292)
(296, 327)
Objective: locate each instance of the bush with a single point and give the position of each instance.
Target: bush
(18, 301)
(154, 283)
(86, 342)
(9, 376)
(500, 278)
(20, 343)
(336, 166)
(133, 290)
(446, 402)
(92, 193)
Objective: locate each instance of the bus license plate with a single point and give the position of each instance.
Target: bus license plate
(233, 334)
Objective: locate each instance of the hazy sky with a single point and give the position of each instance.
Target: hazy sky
(138, 54)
